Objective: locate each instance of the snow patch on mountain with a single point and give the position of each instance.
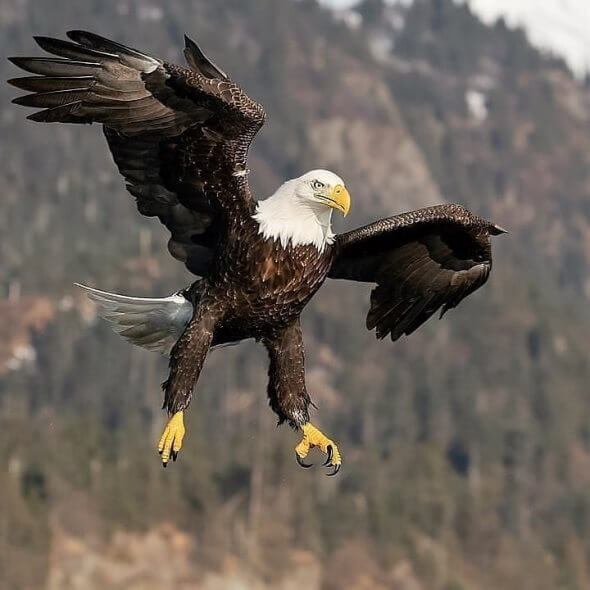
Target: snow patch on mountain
(559, 26)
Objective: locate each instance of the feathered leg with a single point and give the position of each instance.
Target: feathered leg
(186, 361)
(288, 395)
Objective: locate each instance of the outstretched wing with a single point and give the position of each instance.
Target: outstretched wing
(179, 136)
(421, 261)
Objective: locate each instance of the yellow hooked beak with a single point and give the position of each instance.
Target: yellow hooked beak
(340, 199)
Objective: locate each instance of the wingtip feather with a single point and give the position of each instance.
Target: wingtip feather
(17, 61)
(499, 230)
(200, 62)
(25, 101)
(21, 82)
(77, 35)
(38, 117)
(40, 39)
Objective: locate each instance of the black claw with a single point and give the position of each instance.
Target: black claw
(336, 470)
(160, 452)
(330, 453)
(164, 464)
(302, 463)
(174, 455)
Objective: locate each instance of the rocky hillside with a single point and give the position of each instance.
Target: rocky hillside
(467, 446)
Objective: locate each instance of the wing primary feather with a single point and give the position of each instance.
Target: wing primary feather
(51, 99)
(128, 55)
(389, 320)
(406, 324)
(64, 113)
(51, 66)
(72, 50)
(200, 62)
(51, 84)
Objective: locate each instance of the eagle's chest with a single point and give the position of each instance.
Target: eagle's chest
(290, 273)
(269, 279)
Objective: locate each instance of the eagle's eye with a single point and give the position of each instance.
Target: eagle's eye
(316, 185)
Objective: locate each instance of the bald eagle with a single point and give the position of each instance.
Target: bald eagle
(180, 138)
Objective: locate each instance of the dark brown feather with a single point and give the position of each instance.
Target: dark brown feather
(421, 261)
(47, 84)
(73, 50)
(198, 61)
(48, 66)
(179, 136)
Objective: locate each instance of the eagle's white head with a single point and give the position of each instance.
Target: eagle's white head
(300, 211)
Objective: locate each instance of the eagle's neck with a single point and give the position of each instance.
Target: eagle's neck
(294, 221)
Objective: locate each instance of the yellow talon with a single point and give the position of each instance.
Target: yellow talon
(171, 440)
(312, 437)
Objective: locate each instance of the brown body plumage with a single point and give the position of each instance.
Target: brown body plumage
(257, 289)
(180, 137)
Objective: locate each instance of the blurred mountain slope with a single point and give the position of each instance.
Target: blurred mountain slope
(556, 26)
(467, 446)
(560, 26)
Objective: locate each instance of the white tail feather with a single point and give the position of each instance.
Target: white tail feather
(150, 322)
